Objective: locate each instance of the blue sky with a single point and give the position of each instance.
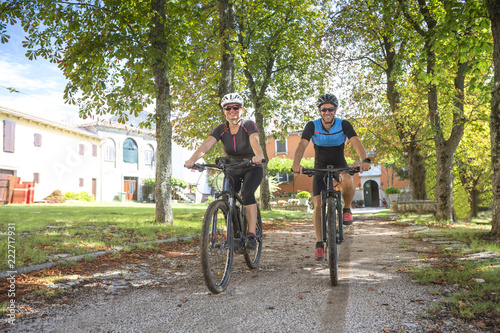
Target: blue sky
(39, 83)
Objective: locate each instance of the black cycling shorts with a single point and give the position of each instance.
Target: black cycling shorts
(251, 178)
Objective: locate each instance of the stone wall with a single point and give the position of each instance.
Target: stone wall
(415, 206)
(303, 208)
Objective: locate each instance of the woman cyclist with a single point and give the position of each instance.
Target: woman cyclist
(240, 140)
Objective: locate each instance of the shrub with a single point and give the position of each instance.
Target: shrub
(303, 194)
(80, 196)
(179, 182)
(148, 187)
(392, 190)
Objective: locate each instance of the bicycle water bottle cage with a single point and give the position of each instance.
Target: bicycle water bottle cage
(222, 160)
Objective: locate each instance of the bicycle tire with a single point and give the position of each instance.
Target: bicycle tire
(331, 220)
(252, 257)
(217, 248)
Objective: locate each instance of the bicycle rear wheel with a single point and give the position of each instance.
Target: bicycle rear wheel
(252, 257)
(217, 248)
(331, 219)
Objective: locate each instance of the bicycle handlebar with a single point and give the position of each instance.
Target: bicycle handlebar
(223, 163)
(330, 169)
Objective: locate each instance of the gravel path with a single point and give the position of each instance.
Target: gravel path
(290, 292)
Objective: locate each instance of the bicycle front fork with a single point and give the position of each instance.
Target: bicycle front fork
(338, 208)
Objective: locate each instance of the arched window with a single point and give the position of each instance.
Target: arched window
(109, 150)
(130, 151)
(149, 155)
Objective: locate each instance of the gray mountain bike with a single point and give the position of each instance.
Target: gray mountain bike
(225, 230)
(331, 214)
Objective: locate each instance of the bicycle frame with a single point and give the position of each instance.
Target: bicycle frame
(331, 175)
(229, 234)
(236, 212)
(337, 196)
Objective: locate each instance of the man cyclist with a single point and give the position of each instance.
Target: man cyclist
(329, 135)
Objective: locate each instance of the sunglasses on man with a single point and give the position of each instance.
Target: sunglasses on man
(327, 109)
(234, 107)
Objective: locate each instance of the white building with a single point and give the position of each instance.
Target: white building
(54, 156)
(103, 158)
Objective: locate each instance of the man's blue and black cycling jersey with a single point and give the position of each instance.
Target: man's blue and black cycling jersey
(329, 145)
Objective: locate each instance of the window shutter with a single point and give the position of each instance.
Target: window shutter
(81, 182)
(94, 150)
(9, 135)
(36, 177)
(81, 149)
(38, 140)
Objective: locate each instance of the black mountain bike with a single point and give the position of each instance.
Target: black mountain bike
(225, 230)
(331, 214)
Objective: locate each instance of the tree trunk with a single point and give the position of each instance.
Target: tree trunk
(445, 149)
(411, 151)
(494, 13)
(474, 202)
(163, 188)
(265, 195)
(257, 97)
(444, 182)
(416, 169)
(226, 29)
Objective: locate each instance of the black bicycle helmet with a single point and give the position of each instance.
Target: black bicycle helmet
(327, 98)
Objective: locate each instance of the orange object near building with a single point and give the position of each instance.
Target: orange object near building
(30, 192)
(13, 181)
(20, 194)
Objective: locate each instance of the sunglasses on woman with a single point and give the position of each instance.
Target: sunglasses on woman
(234, 107)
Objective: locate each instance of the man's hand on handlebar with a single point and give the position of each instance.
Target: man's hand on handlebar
(189, 164)
(365, 166)
(297, 168)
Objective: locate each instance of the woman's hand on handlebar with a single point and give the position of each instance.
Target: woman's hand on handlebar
(258, 159)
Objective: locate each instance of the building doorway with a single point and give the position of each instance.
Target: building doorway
(370, 192)
(130, 188)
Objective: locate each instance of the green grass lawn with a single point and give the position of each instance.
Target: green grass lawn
(476, 284)
(42, 230)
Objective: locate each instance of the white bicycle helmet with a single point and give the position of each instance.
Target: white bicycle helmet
(231, 98)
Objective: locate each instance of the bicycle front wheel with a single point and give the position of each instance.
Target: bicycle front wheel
(331, 219)
(252, 257)
(217, 247)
